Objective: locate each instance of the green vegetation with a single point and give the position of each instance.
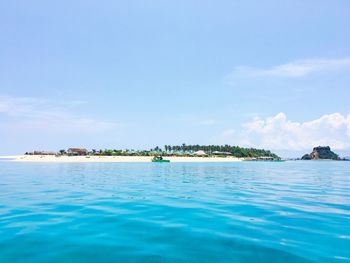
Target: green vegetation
(187, 150)
(210, 149)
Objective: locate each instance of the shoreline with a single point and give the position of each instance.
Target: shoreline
(114, 159)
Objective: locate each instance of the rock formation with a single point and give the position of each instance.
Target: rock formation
(321, 153)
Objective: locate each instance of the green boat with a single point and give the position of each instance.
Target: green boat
(159, 159)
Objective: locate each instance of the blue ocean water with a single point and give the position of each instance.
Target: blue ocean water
(158, 212)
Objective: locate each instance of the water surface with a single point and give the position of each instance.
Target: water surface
(193, 212)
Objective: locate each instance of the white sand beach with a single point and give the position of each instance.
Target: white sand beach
(114, 159)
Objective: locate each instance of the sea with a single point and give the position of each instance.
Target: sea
(294, 211)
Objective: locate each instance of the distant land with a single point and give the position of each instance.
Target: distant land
(170, 150)
(322, 153)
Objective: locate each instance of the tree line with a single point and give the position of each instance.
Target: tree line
(184, 149)
(234, 150)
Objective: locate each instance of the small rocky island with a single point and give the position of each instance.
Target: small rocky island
(321, 153)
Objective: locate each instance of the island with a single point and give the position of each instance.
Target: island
(173, 153)
(321, 153)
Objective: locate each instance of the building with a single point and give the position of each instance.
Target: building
(199, 153)
(77, 151)
(265, 158)
(43, 153)
(221, 153)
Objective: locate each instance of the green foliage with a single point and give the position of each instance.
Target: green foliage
(234, 150)
(187, 150)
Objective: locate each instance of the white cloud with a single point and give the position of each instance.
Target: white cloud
(279, 133)
(294, 69)
(35, 114)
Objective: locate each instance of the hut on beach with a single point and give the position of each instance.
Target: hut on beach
(200, 153)
(221, 153)
(43, 153)
(77, 151)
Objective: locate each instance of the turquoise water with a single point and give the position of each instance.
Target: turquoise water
(232, 212)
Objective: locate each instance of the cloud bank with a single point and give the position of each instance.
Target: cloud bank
(293, 69)
(279, 133)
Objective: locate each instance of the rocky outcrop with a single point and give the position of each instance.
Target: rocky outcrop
(321, 153)
(306, 157)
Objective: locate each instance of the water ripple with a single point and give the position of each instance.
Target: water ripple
(244, 212)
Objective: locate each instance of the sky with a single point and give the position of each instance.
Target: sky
(139, 74)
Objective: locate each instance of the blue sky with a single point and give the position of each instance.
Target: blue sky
(136, 74)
